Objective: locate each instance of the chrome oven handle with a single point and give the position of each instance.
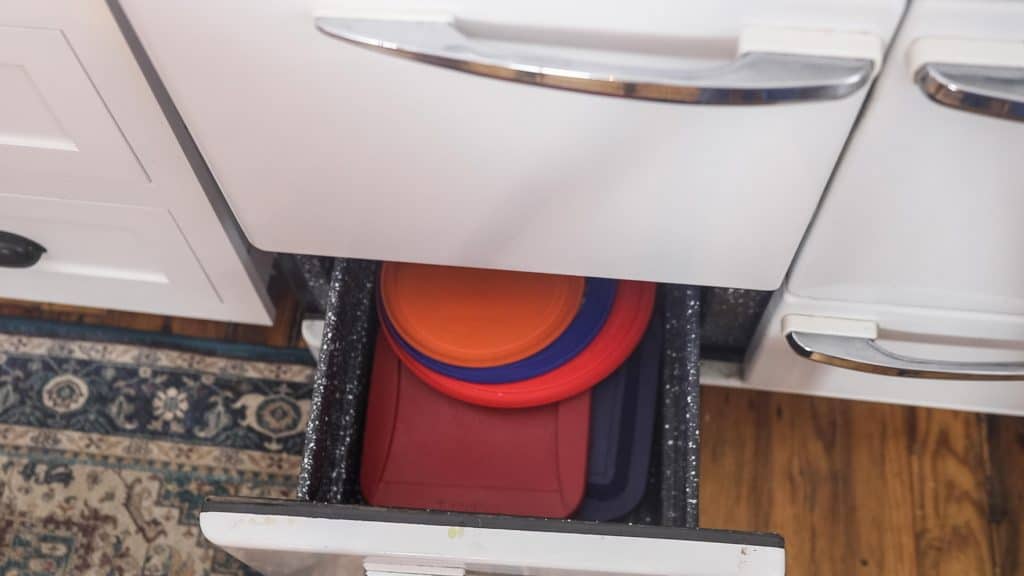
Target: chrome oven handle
(990, 90)
(866, 355)
(753, 78)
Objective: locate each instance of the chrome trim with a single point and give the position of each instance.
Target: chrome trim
(989, 90)
(865, 355)
(752, 79)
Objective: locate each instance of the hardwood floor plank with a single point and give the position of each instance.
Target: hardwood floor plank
(879, 490)
(735, 444)
(772, 462)
(855, 487)
(1006, 493)
(950, 493)
(808, 490)
(201, 329)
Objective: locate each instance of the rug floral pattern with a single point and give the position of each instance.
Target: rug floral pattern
(108, 450)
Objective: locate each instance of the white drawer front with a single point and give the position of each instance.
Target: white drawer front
(52, 121)
(968, 339)
(105, 256)
(327, 148)
(281, 537)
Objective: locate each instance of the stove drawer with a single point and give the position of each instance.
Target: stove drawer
(922, 210)
(329, 532)
(918, 356)
(910, 272)
(280, 537)
(657, 159)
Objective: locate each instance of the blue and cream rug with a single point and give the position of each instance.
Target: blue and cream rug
(108, 447)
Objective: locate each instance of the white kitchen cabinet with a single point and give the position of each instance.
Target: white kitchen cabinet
(53, 121)
(91, 169)
(918, 234)
(105, 255)
(326, 147)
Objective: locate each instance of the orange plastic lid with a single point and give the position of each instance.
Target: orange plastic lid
(477, 318)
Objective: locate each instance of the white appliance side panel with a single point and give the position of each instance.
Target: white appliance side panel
(925, 207)
(933, 334)
(152, 170)
(326, 148)
(278, 545)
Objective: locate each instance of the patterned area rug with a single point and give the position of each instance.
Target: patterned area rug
(108, 449)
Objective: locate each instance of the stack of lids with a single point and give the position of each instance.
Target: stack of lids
(511, 393)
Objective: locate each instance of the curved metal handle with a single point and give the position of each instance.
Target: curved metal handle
(989, 90)
(865, 355)
(753, 78)
(18, 252)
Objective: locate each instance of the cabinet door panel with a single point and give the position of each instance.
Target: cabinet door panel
(106, 256)
(52, 120)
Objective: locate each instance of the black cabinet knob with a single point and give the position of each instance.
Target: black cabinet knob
(18, 251)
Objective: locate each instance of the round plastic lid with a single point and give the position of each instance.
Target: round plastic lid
(598, 298)
(634, 302)
(477, 318)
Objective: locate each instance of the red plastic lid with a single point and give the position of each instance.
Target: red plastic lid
(478, 318)
(634, 302)
(422, 449)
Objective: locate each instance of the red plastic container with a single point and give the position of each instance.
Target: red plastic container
(423, 449)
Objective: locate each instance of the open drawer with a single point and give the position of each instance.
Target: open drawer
(330, 531)
(689, 141)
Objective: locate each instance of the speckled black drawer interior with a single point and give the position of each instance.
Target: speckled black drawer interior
(330, 467)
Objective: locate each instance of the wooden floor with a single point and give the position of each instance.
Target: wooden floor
(856, 488)
(861, 488)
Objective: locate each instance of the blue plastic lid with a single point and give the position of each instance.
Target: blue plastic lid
(622, 431)
(598, 296)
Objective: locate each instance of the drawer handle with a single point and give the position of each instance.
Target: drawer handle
(18, 252)
(990, 90)
(753, 78)
(865, 355)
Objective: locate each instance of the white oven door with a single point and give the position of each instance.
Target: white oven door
(909, 286)
(683, 141)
